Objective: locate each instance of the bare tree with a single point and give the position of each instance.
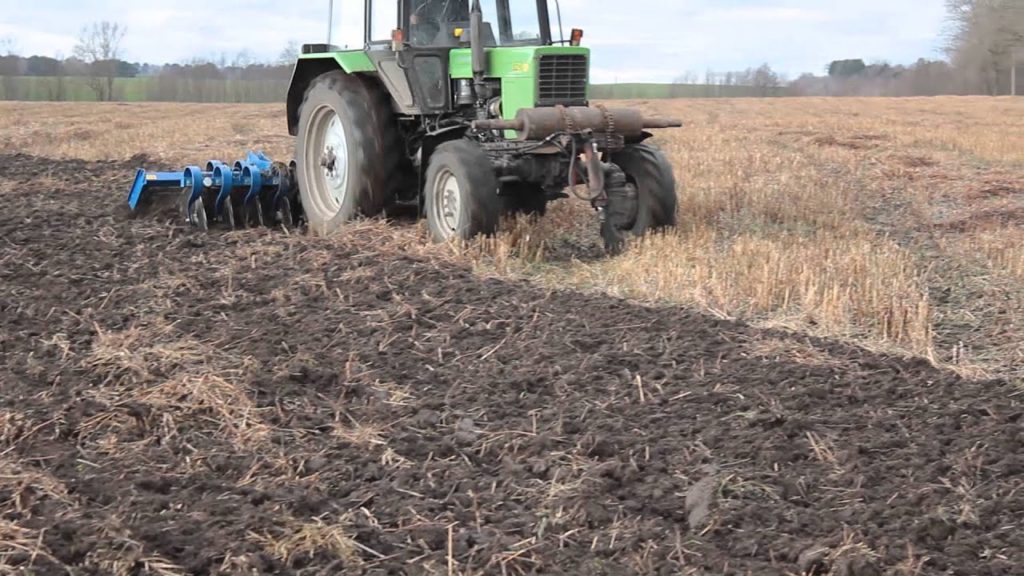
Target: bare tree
(99, 46)
(243, 59)
(765, 80)
(60, 90)
(8, 47)
(1016, 59)
(688, 77)
(982, 35)
(289, 54)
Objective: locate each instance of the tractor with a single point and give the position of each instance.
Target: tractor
(465, 112)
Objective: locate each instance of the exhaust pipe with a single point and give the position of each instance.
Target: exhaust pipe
(539, 123)
(476, 41)
(479, 56)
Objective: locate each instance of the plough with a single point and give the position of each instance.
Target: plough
(249, 193)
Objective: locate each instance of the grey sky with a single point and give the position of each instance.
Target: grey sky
(634, 40)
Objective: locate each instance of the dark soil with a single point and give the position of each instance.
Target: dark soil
(259, 403)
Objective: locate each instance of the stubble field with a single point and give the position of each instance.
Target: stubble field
(818, 374)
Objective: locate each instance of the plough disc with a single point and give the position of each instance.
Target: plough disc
(247, 194)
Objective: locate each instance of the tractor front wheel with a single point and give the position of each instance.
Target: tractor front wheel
(461, 193)
(338, 167)
(648, 202)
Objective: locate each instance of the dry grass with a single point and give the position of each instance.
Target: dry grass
(1000, 251)
(28, 486)
(792, 351)
(178, 132)
(304, 540)
(843, 217)
(836, 285)
(18, 544)
(205, 381)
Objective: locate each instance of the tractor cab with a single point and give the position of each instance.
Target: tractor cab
(421, 49)
(445, 23)
(440, 23)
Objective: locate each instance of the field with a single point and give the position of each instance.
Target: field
(819, 373)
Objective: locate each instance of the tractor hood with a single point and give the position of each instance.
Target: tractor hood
(511, 62)
(532, 75)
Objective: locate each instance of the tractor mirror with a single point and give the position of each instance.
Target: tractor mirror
(577, 36)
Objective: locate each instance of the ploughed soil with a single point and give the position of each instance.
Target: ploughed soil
(259, 402)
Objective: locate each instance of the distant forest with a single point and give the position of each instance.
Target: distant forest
(982, 40)
(43, 78)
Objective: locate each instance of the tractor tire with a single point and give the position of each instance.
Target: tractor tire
(344, 151)
(649, 171)
(461, 193)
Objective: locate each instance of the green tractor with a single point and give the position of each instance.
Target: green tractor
(468, 113)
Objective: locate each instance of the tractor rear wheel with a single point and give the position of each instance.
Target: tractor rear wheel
(461, 193)
(648, 174)
(339, 165)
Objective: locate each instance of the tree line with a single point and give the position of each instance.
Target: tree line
(855, 77)
(852, 77)
(761, 81)
(96, 64)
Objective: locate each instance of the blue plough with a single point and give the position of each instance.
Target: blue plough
(252, 192)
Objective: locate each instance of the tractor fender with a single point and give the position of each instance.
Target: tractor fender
(307, 69)
(430, 143)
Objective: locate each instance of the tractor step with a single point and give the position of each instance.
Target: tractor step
(252, 192)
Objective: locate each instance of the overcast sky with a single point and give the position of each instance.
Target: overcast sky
(633, 40)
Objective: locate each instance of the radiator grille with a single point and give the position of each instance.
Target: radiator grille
(562, 80)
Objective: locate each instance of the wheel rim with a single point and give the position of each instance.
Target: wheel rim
(447, 203)
(327, 163)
